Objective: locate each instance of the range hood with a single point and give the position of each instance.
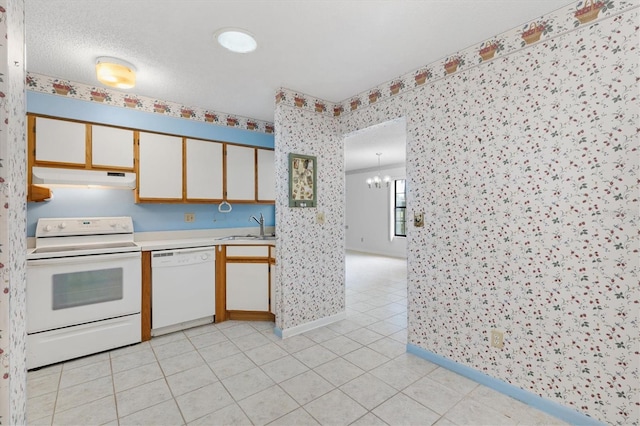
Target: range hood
(50, 176)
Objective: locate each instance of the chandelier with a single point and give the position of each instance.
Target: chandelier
(377, 181)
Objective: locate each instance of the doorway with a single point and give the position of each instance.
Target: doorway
(375, 257)
(371, 217)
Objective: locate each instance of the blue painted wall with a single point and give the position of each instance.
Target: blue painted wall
(79, 202)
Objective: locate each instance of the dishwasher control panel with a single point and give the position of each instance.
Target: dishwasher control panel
(182, 257)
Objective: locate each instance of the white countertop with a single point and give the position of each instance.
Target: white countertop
(169, 244)
(166, 240)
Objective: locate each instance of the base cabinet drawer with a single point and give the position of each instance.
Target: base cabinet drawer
(247, 251)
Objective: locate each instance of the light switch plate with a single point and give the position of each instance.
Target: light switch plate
(320, 218)
(497, 339)
(418, 220)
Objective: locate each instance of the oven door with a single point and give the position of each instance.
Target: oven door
(75, 290)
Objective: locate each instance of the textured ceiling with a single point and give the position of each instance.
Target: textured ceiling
(331, 49)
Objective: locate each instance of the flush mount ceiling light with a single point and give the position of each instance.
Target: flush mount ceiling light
(115, 72)
(236, 40)
(376, 181)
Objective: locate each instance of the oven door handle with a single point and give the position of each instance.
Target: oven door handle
(78, 259)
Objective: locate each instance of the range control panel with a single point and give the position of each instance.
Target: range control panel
(59, 227)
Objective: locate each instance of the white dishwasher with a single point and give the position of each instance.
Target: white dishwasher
(183, 284)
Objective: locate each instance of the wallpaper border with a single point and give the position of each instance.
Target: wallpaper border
(101, 95)
(539, 30)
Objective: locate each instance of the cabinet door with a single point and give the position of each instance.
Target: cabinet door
(248, 287)
(272, 287)
(266, 175)
(60, 141)
(111, 147)
(241, 173)
(160, 168)
(204, 170)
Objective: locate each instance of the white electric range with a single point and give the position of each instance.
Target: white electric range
(83, 288)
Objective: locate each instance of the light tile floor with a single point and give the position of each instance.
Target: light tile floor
(353, 372)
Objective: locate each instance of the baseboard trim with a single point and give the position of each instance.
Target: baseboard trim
(299, 329)
(553, 408)
(250, 316)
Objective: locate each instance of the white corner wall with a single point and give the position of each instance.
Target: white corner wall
(369, 215)
(310, 272)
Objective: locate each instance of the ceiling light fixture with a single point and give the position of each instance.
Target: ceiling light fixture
(236, 40)
(115, 72)
(377, 181)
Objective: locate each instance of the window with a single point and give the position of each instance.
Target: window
(400, 209)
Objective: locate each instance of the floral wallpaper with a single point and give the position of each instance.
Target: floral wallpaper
(525, 163)
(54, 86)
(531, 197)
(310, 255)
(12, 215)
(4, 230)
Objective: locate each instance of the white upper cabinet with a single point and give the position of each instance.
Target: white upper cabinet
(169, 168)
(60, 141)
(241, 173)
(111, 147)
(266, 175)
(204, 170)
(160, 168)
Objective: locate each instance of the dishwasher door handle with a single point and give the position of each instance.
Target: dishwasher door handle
(161, 253)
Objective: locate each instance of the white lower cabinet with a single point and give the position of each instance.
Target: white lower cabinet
(272, 301)
(248, 287)
(272, 279)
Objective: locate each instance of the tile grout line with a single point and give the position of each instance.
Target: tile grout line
(113, 387)
(164, 376)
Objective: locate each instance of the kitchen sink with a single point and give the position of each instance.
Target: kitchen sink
(239, 237)
(247, 237)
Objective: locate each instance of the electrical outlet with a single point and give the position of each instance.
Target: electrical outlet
(497, 339)
(189, 217)
(320, 218)
(418, 220)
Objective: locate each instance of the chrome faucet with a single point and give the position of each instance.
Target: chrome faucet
(261, 223)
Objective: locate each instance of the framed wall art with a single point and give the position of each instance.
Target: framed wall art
(302, 180)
